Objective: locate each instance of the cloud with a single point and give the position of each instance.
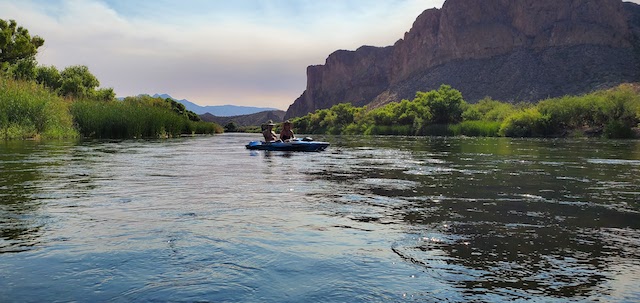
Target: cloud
(244, 52)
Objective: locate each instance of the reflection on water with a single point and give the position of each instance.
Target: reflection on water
(22, 165)
(370, 219)
(499, 218)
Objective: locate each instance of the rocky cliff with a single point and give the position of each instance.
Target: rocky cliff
(510, 50)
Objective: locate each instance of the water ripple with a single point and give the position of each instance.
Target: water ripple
(372, 219)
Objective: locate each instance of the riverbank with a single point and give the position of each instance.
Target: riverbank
(31, 111)
(612, 113)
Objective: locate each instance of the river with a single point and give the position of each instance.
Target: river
(371, 219)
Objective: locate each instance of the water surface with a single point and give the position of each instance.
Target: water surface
(372, 219)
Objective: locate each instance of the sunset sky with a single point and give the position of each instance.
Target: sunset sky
(211, 52)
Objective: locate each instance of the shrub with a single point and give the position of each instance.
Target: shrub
(527, 123)
(617, 130)
(445, 104)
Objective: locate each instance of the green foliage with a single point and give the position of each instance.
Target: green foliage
(397, 118)
(613, 113)
(256, 129)
(446, 104)
(231, 127)
(135, 117)
(398, 130)
(77, 82)
(28, 110)
(180, 109)
(16, 43)
(476, 128)
(313, 123)
(49, 76)
(472, 114)
(617, 130)
(527, 123)
(23, 69)
(31, 107)
(488, 110)
(103, 94)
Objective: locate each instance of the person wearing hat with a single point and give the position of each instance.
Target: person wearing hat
(268, 133)
(286, 134)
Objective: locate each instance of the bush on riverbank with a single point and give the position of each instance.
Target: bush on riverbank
(28, 110)
(610, 113)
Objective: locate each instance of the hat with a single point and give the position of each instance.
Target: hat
(270, 123)
(287, 122)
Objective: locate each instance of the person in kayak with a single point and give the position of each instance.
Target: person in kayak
(286, 134)
(268, 133)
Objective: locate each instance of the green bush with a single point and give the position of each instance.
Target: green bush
(445, 104)
(527, 123)
(617, 130)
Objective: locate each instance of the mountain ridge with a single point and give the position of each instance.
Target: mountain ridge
(246, 120)
(218, 110)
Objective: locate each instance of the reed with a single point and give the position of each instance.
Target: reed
(30, 111)
(476, 128)
(117, 119)
(396, 130)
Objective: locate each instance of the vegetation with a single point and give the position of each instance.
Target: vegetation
(28, 110)
(136, 117)
(16, 44)
(610, 113)
(43, 102)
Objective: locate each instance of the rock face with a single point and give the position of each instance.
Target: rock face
(510, 50)
(349, 76)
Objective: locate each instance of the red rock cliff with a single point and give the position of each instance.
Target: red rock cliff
(496, 40)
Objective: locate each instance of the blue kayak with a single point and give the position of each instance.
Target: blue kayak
(293, 145)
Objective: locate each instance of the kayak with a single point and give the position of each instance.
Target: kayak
(293, 145)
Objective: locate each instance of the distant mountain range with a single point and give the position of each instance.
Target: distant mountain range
(218, 110)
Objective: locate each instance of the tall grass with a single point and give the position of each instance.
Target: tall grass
(396, 130)
(476, 128)
(28, 110)
(118, 119)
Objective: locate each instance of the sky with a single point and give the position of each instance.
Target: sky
(211, 52)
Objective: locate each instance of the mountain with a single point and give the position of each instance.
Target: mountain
(510, 50)
(246, 120)
(218, 110)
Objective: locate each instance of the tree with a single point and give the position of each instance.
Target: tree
(104, 94)
(24, 69)
(16, 43)
(446, 104)
(231, 127)
(49, 76)
(77, 82)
